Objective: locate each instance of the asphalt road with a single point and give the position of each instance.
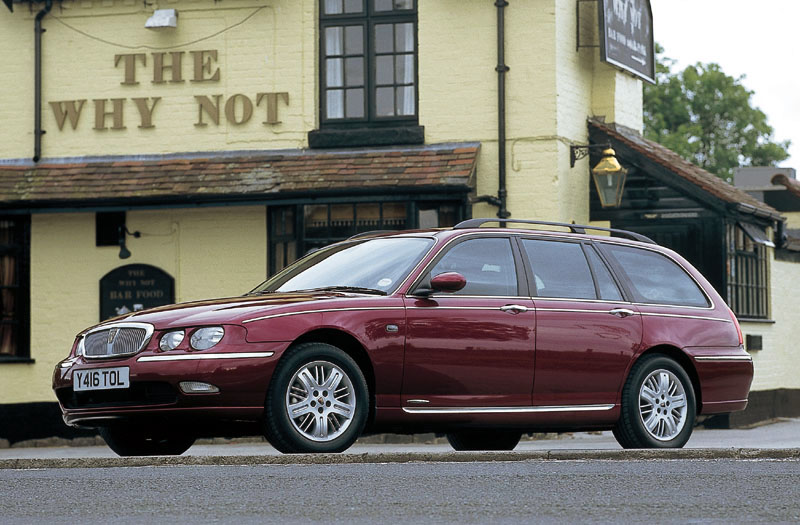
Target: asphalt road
(654, 491)
(783, 434)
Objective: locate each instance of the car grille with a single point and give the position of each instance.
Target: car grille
(114, 342)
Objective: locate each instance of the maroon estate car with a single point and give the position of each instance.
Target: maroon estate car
(479, 333)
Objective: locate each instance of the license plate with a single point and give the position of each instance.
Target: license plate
(101, 379)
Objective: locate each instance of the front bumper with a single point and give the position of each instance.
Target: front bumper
(241, 371)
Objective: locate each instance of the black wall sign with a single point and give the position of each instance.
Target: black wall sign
(134, 287)
(626, 36)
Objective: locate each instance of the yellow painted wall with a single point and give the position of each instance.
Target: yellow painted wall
(792, 219)
(776, 366)
(551, 90)
(211, 252)
(258, 48)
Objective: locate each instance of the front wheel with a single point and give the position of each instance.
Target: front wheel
(317, 400)
(658, 405)
(483, 440)
(130, 441)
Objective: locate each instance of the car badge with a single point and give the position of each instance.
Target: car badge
(111, 335)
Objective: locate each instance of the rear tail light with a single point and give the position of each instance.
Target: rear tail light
(738, 328)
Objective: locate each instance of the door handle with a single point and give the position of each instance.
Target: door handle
(621, 312)
(514, 308)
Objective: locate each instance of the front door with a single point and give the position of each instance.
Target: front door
(475, 347)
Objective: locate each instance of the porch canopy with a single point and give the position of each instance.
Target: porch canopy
(234, 177)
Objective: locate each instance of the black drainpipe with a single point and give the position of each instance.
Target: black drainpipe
(37, 89)
(502, 69)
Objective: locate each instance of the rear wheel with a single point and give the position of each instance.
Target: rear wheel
(484, 440)
(317, 400)
(658, 405)
(130, 441)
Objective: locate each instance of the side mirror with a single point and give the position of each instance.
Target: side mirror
(448, 282)
(444, 282)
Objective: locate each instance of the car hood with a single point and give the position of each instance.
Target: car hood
(231, 310)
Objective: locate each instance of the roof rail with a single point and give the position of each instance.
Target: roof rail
(574, 228)
(373, 232)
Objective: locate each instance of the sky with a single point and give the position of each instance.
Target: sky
(756, 38)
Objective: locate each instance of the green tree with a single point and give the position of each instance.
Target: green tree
(707, 117)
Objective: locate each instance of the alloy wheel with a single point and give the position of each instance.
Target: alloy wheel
(320, 401)
(662, 405)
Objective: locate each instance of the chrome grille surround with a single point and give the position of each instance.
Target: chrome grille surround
(116, 340)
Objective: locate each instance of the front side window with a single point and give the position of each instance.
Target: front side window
(368, 61)
(655, 278)
(487, 265)
(14, 288)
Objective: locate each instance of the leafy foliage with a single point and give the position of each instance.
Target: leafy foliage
(707, 118)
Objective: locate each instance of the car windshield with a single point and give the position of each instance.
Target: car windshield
(375, 265)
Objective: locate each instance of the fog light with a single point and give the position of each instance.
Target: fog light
(196, 387)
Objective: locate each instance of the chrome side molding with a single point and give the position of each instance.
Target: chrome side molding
(507, 410)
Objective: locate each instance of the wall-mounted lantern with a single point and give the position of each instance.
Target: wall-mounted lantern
(608, 174)
(124, 252)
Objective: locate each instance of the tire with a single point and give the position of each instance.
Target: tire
(324, 419)
(484, 440)
(658, 405)
(130, 441)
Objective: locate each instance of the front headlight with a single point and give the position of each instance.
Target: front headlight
(171, 340)
(206, 338)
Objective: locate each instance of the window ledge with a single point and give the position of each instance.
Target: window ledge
(346, 138)
(754, 320)
(14, 359)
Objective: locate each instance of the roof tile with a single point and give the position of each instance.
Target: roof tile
(250, 174)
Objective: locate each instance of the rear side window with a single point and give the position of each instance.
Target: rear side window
(487, 264)
(559, 269)
(656, 278)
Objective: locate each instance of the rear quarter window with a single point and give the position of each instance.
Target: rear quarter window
(655, 278)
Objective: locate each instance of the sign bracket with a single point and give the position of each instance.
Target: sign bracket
(578, 44)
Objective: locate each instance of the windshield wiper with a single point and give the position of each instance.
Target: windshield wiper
(357, 289)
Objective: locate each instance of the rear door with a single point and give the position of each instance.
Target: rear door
(587, 333)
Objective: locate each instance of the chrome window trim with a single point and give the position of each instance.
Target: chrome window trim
(568, 299)
(724, 358)
(454, 308)
(578, 311)
(147, 327)
(302, 312)
(686, 316)
(195, 357)
(507, 410)
(452, 296)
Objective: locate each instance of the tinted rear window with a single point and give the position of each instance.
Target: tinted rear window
(656, 278)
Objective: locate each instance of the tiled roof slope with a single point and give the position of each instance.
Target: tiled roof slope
(246, 175)
(674, 163)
